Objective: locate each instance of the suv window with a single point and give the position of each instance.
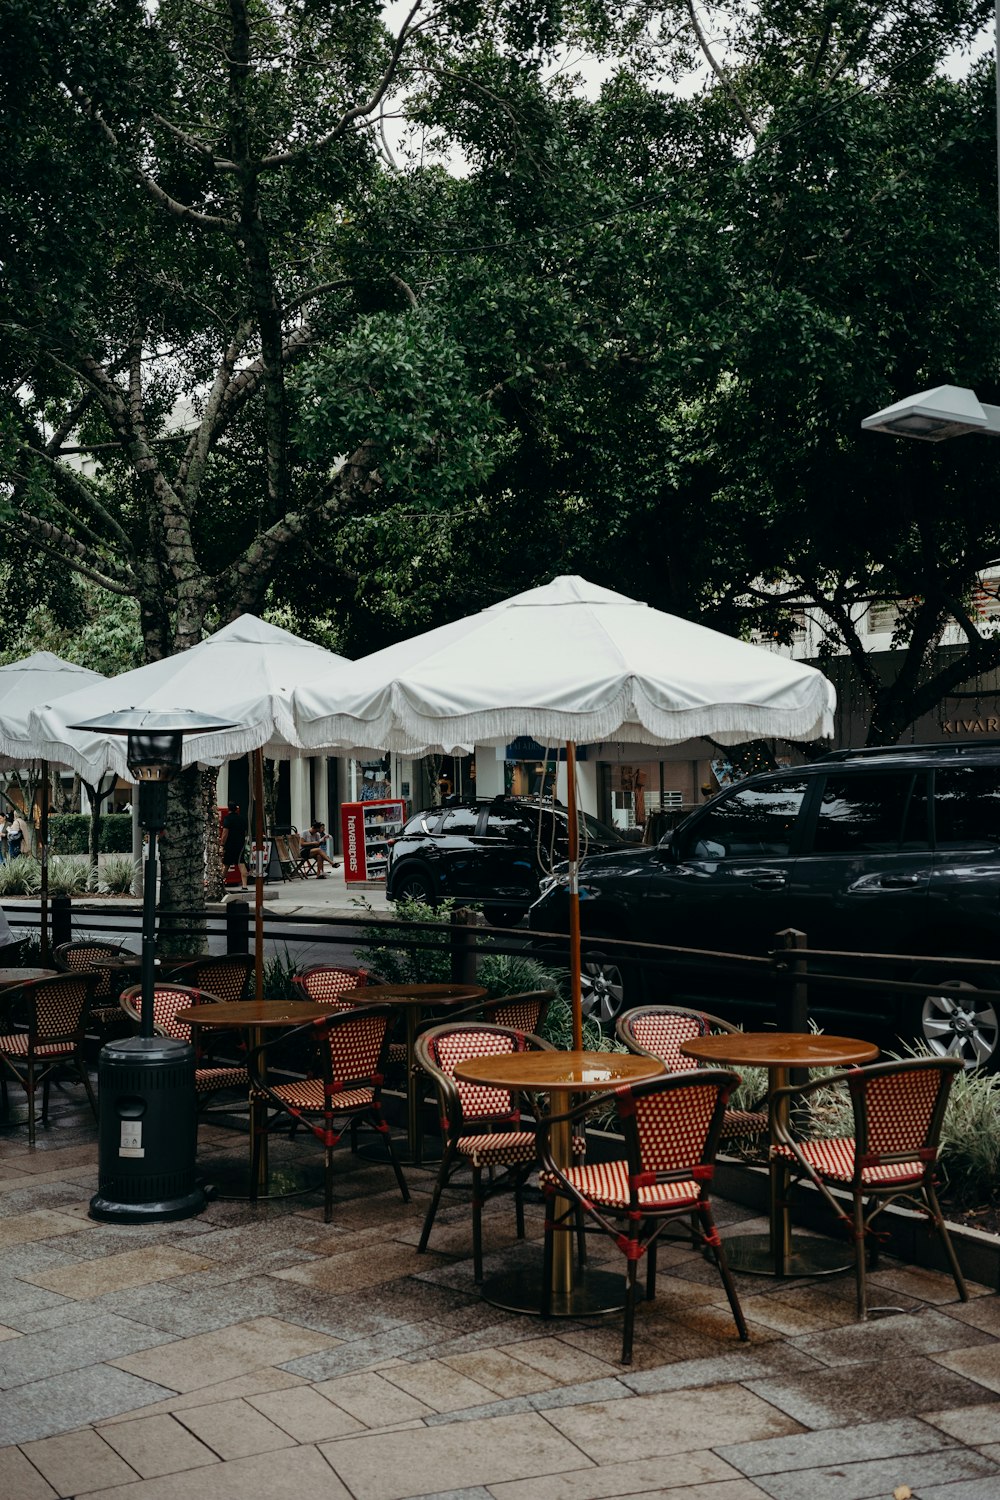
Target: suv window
(510, 824)
(460, 820)
(876, 812)
(756, 822)
(967, 806)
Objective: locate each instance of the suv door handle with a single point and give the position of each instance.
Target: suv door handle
(762, 879)
(899, 882)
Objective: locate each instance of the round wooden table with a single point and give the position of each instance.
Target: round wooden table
(575, 1291)
(255, 1016)
(11, 978)
(414, 1000)
(776, 1253)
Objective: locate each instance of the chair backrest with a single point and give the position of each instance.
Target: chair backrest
(80, 955)
(523, 1012)
(658, 1030)
(57, 1008)
(672, 1124)
(899, 1108)
(168, 999)
(359, 1040)
(295, 847)
(441, 1049)
(225, 976)
(325, 983)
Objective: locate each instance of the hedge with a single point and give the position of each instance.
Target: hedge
(69, 833)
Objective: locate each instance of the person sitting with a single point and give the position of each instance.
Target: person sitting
(313, 846)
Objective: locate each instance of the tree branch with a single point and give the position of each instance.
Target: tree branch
(721, 73)
(357, 111)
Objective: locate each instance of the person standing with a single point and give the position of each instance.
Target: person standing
(234, 838)
(18, 835)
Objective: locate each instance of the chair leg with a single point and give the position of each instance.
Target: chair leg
(30, 1087)
(547, 1257)
(328, 1185)
(949, 1249)
(439, 1186)
(714, 1241)
(860, 1255)
(393, 1162)
(519, 1180)
(629, 1327)
(85, 1076)
(477, 1223)
(257, 1126)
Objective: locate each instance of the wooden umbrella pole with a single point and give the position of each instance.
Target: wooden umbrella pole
(43, 854)
(575, 980)
(258, 799)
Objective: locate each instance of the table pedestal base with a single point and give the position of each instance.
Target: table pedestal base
(593, 1291)
(752, 1255)
(231, 1179)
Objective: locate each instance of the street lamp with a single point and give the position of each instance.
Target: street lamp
(946, 411)
(148, 1119)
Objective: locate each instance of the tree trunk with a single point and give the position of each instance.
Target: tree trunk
(214, 883)
(182, 871)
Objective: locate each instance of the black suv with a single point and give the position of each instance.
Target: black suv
(892, 851)
(490, 853)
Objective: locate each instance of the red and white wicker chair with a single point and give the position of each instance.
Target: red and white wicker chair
(53, 1013)
(91, 956)
(899, 1109)
(658, 1030)
(480, 1127)
(225, 976)
(326, 983)
(525, 1011)
(168, 999)
(351, 1047)
(671, 1127)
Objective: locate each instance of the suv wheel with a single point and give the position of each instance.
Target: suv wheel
(414, 885)
(955, 1024)
(602, 987)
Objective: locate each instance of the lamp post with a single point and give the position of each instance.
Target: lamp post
(148, 1118)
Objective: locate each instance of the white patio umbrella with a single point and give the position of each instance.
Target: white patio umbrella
(568, 662)
(24, 685)
(244, 672)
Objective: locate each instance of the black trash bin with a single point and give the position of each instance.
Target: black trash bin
(148, 1132)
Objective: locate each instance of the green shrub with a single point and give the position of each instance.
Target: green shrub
(67, 877)
(117, 875)
(428, 964)
(20, 877)
(69, 833)
(277, 977)
(513, 973)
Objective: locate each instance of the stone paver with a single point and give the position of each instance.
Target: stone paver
(255, 1350)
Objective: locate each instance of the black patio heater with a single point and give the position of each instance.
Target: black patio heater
(148, 1126)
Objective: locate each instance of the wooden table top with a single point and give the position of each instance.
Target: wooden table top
(579, 1072)
(414, 994)
(780, 1049)
(9, 978)
(254, 1013)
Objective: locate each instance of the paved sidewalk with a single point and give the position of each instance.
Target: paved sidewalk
(256, 1352)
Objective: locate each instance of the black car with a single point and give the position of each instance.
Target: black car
(492, 854)
(889, 851)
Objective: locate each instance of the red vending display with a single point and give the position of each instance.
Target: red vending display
(366, 830)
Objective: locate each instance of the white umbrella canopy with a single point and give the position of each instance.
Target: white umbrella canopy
(29, 683)
(244, 672)
(571, 662)
(567, 661)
